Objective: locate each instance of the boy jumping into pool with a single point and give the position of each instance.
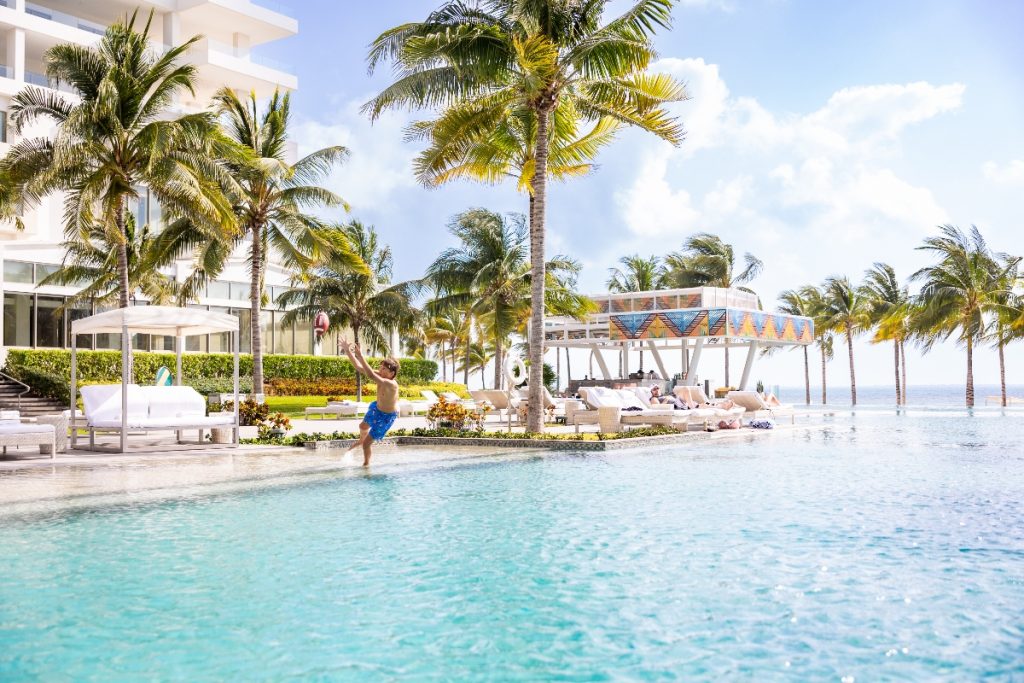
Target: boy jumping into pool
(382, 412)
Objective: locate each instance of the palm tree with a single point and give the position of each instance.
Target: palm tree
(795, 302)
(479, 356)
(890, 310)
(488, 276)
(846, 311)
(271, 205)
(90, 262)
(823, 335)
(498, 59)
(958, 292)
(1007, 316)
(637, 274)
(368, 304)
(115, 138)
(707, 261)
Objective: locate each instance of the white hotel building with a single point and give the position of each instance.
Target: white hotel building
(228, 55)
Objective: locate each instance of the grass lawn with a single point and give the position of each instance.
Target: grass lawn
(294, 406)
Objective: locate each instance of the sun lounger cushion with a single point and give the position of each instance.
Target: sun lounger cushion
(26, 428)
(172, 401)
(152, 407)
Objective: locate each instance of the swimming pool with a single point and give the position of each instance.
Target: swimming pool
(881, 547)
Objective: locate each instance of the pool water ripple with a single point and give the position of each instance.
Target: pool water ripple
(882, 547)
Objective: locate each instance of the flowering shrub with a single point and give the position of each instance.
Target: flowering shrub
(250, 413)
(278, 423)
(450, 415)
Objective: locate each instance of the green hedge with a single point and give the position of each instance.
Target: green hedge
(206, 371)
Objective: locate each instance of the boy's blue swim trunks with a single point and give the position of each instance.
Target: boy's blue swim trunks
(379, 421)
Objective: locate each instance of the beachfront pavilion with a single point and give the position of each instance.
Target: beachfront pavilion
(688, 322)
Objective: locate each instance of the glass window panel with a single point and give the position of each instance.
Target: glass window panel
(162, 343)
(218, 290)
(220, 342)
(18, 271)
(77, 313)
(3, 126)
(18, 319)
(156, 214)
(276, 292)
(304, 337)
(196, 343)
(49, 322)
(108, 341)
(267, 330)
(240, 291)
(140, 342)
(283, 342)
(244, 328)
(44, 270)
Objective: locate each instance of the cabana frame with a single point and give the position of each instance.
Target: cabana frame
(158, 321)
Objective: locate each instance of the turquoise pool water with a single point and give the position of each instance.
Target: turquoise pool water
(880, 548)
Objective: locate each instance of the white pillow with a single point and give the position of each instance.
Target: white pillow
(629, 399)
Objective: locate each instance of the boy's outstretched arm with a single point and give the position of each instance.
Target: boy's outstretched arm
(355, 355)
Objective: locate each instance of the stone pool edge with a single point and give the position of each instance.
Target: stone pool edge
(568, 445)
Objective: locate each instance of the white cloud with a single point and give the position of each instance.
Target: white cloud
(380, 162)
(818, 178)
(1010, 174)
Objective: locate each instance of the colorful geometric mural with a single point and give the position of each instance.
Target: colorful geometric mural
(711, 322)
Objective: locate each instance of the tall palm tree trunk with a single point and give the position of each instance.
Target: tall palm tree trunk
(853, 376)
(255, 295)
(1002, 373)
(122, 258)
(558, 368)
(568, 368)
(896, 354)
(125, 286)
(824, 365)
(534, 420)
(359, 375)
(465, 365)
(903, 369)
(807, 377)
(726, 367)
(970, 372)
(444, 362)
(497, 360)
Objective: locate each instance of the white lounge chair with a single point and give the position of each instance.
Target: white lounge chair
(14, 433)
(150, 408)
(339, 409)
(758, 408)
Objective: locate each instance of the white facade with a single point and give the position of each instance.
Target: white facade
(227, 55)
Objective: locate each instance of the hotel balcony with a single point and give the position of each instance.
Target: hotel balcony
(220, 63)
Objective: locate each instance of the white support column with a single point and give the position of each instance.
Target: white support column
(625, 360)
(172, 29)
(684, 359)
(657, 359)
(595, 352)
(748, 365)
(16, 54)
(125, 381)
(240, 45)
(691, 372)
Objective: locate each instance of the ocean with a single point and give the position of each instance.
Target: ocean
(920, 396)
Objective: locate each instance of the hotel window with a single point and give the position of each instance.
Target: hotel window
(267, 331)
(283, 341)
(244, 328)
(49, 322)
(77, 313)
(44, 270)
(240, 291)
(19, 323)
(3, 126)
(218, 290)
(221, 341)
(18, 271)
(304, 337)
(196, 343)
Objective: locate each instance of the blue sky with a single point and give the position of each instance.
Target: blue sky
(822, 136)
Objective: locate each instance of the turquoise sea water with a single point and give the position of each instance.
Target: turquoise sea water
(884, 547)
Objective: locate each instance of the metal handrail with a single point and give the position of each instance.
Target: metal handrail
(17, 381)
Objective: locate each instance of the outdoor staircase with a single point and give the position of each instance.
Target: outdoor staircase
(30, 406)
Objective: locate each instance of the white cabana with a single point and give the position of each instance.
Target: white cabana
(170, 321)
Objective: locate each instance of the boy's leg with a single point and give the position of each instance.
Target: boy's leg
(364, 435)
(367, 453)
